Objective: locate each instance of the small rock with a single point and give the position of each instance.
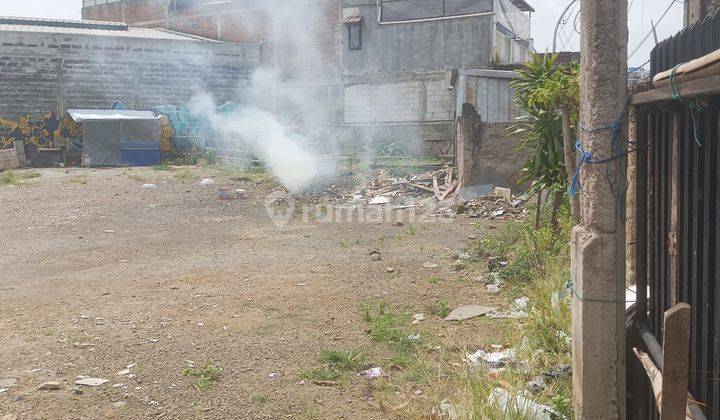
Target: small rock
(430, 265)
(110, 231)
(376, 257)
(91, 382)
(522, 302)
(83, 345)
(124, 372)
(7, 382)
(466, 312)
(120, 404)
(50, 386)
(399, 224)
(505, 193)
(536, 385)
(493, 289)
(390, 270)
(472, 237)
(379, 200)
(376, 372)
(78, 391)
(149, 187)
(207, 182)
(417, 318)
(3, 390)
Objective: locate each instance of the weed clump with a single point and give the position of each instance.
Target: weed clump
(205, 376)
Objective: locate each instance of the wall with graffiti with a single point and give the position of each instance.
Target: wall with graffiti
(180, 131)
(47, 131)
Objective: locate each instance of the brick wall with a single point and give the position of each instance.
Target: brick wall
(42, 72)
(277, 29)
(129, 11)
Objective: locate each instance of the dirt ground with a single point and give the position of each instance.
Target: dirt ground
(97, 273)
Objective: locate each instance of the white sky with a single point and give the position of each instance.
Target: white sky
(548, 11)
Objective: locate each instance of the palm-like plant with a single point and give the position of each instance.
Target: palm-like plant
(547, 94)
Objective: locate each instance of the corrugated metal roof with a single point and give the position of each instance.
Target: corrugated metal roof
(80, 115)
(94, 28)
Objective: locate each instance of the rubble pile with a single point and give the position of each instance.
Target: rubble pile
(439, 188)
(491, 207)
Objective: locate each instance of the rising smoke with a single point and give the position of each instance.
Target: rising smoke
(280, 112)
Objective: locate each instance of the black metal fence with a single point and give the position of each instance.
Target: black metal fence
(678, 206)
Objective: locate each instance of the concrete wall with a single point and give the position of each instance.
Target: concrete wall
(419, 46)
(401, 74)
(43, 72)
(486, 155)
(403, 98)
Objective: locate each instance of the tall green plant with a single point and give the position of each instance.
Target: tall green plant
(547, 94)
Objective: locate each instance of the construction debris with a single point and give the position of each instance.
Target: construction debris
(466, 312)
(494, 360)
(50, 386)
(91, 381)
(441, 186)
(521, 404)
(372, 373)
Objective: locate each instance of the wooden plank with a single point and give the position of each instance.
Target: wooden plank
(653, 373)
(672, 238)
(705, 86)
(676, 362)
(8, 159)
(20, 151)
(436, 188)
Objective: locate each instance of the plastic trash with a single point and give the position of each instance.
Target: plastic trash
(372, 373)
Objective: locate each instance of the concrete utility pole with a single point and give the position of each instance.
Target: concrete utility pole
(698, 9)
(598, 242)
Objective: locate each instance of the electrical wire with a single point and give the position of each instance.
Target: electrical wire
(672, 3)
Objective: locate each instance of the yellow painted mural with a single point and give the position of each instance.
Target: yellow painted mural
(45, 132)
(166, 134)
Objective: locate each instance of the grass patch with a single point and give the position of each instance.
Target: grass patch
(538, 264)
(80, 181)
(434, 280)
(334, 364)
(138, 178)
(321, 374)
(259, 398)
(163, 167)
(441, 309)
(205, 376)
(12, 178)
(30, 175)
(9, 178)
(344, 360)
(184, 174)
(388, 328)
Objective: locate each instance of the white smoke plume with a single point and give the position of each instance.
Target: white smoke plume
(282, 116)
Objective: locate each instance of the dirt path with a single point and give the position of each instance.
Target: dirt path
(97, 274)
